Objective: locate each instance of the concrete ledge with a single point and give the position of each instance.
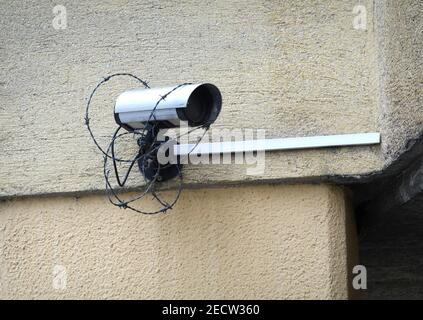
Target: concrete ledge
(262, 242)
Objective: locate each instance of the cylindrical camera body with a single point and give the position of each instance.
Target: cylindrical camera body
(198, 104)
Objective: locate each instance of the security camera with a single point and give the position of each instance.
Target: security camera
(153, 109)
(197, 104)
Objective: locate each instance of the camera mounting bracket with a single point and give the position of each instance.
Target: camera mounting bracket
(148, 163)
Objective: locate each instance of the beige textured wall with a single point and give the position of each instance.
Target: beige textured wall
(251, 242)
(300, 65)
(291, 67)
(399, 26)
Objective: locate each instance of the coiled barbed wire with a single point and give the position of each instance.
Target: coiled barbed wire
(142, 155)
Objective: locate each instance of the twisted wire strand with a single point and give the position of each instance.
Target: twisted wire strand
(141, 157)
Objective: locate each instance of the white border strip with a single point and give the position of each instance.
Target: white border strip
(356, 139)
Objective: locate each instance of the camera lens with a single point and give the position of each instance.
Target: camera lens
(199, 106)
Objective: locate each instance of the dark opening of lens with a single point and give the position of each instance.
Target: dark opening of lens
(199, 106)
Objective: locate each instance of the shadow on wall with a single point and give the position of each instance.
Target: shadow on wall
(392, 251)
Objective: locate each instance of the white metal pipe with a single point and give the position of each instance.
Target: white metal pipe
(356, 139)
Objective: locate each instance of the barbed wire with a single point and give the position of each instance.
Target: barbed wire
(142, 156)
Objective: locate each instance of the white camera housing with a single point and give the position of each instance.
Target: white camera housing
(197, 104)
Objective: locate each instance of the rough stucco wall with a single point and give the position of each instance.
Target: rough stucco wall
(252, 242)
(400, 41)
(294, 68)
